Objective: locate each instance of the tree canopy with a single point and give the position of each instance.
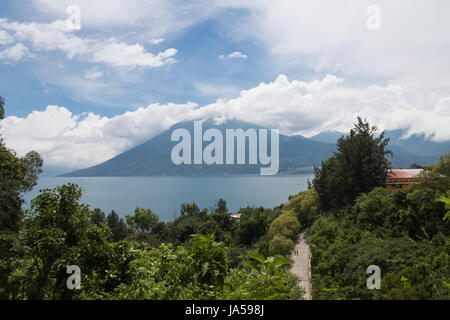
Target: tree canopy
(17, 175)
(358, 166)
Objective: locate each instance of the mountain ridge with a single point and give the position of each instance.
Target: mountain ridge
(152, 158)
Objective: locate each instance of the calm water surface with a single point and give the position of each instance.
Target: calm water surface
(164, 195)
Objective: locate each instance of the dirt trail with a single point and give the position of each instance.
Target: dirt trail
(302, 264)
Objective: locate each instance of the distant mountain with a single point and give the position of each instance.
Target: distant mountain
(51, 171)
(154, 156)
(415, 149)
(297, 154)
(417, 144)
(403, 159)
(328, 136)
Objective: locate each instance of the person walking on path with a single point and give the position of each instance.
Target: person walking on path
(301, 256)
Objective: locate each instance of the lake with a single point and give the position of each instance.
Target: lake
(164, 195)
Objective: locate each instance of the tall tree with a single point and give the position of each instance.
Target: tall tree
(117, 225)
(358, 166)
(190, 210)
(17, 175)
(98, 217)
(221, 206)
(144, 220)
(54, 225)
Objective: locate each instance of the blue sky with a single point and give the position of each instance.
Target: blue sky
(199, 47)
(137, 67)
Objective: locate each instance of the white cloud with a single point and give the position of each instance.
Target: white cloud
(65, 139)
(123, 55)
(295, 107)
(5, 38)
(93, 73)
(14, 54)
(233, 55)
(59, 36)
(156, 41)
(156, 18)
(332, 37)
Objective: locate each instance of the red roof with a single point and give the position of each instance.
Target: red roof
(404, 173)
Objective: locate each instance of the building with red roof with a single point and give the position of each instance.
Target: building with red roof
(403, 178)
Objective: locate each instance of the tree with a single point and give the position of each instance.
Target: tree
(305, 205)
(447, 204)
(98, 217)
(204, 261)
(144, 220)
(117, 225)
(191, 210)
(358, 166)
(281, 245)
(286, 225)
(281, 233)
(58, 233)
(182, 228)
(17, 175)
(253, 225)
(416, 166)
(269, 279)
(221, 206)
(54, 225)
(443, 167)
(427, 213)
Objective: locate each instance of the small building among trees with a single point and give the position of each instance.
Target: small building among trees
(402, 178)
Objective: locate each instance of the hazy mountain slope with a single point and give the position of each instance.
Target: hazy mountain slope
(417, 144)
(414, 145)
(153, 156)
(296, 152)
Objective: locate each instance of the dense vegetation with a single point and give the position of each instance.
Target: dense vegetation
(205, 254)
(359, 223)
(141, 258)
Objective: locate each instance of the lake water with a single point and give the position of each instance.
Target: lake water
(164, 195)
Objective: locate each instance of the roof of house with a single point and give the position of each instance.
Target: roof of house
(404, 173)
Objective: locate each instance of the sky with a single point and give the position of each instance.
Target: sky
(82, 88)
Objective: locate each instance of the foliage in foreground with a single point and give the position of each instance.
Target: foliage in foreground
(404, 233)
(58, 232)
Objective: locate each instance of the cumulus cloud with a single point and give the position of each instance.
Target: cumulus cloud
(58, 35)
(233, 55)
(295, 107)
(124, 55)
(14, 54)
(156, 41)
(5, 38)
(66, 139)
(332, 37)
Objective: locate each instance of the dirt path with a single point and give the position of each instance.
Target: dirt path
(302, 264)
